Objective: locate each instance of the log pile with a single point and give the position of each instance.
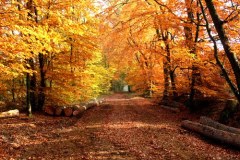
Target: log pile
(68, 111)
(214, 130)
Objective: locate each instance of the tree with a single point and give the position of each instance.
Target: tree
(147, 31)
(62, 61)
(174, 33)
(226, 43)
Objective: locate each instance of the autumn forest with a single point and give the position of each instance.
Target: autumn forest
(178, 55)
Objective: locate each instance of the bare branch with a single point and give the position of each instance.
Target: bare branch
(230, 17)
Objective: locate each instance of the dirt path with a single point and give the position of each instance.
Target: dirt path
(122, 128)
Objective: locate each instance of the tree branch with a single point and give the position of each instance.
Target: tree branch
(219, 63)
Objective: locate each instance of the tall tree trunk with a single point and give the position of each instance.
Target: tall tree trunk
(166, 63)
(33, 86)
(41, 93)
(166, 71)
(29, 108)
(219, 63)
(173, 83)
(191, 44)
(30, 95)
(13, 91)
(235, 65)
(36, 99)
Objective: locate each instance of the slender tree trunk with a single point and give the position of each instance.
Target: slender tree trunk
(219, 63)
(41, 94)
(71, 57)
(174, 88)
(235, 65)
(166, 71)
(188, 29)
(37, 99)
(169, 78)
(30, 81)
(33, 86)
(29, 108)
(191, 44)
(13, 91)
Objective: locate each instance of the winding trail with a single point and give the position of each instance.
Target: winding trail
(122, 128)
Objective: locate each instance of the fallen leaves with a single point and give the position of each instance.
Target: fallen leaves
(131, 131)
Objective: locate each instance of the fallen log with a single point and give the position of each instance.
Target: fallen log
(78, 110)
(10, 113)
(92, 103)
(208, 121)
(100, 100)
(216, 134)
(173, 109)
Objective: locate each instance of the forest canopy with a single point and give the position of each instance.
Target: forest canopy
(50, 52)
(66, 52)
(172, 48)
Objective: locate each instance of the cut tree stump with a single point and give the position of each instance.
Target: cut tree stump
(208, 121)
(10, 113)
(49, 110)
(68, 111)
(58, 110)
(208, 131)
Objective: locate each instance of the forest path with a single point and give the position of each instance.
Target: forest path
(122, 128)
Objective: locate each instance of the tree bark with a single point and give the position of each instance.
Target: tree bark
(68, 111)
(166, 62)
(191, 44)
(173, 83)
(41, 94)
(216, 134)
(209, 122)
(13, 91)
(33, 87)
(32, 14)
(79, 110)
(29, 108)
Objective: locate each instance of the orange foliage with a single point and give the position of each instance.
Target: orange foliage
(140, 32)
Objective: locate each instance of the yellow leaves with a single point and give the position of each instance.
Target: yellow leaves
(98, 76)
(11, 71)
(65, 34)
(41, 39)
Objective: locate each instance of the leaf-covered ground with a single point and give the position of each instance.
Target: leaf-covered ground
(122, 128)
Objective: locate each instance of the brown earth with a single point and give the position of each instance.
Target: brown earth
(122, 128)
